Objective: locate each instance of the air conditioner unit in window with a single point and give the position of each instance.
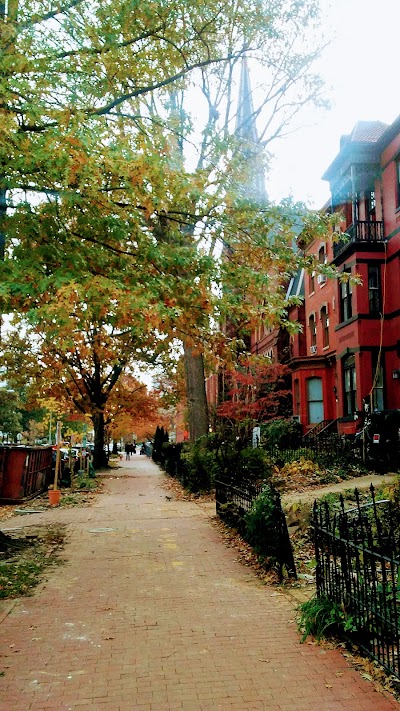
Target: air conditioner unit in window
(322, 278)
(313, 350)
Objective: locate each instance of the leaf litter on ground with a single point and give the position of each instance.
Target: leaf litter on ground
(303, 550)
(31, 551)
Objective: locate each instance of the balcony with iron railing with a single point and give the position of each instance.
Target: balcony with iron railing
(361, 232)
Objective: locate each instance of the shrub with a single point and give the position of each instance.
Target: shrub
(321, 617)
(160, 437)
(230, 514)
(262, 525)
(172, 463)
(253, 464)
(85, 480)
(283, 434)
(200, 466)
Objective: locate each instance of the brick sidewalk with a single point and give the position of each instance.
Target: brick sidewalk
(151, 611)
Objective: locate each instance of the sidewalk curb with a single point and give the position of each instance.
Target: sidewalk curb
(6, 608)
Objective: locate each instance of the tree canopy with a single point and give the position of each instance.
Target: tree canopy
(112, 230)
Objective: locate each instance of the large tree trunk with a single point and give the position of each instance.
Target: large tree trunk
(99, 454)
(195, 393)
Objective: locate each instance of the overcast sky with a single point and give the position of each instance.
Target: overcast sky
(361, 69)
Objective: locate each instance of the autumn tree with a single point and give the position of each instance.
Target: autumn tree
(257, 391)
(130, 409)
(78, 341)
(115, 259)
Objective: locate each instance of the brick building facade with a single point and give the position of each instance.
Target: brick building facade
(349, 349)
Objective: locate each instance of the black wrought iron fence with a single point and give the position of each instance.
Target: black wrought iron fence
(358, 563)
(241, 495)
(308, 446)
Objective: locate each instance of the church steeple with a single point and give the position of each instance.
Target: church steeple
(245, 123)
(246, 130)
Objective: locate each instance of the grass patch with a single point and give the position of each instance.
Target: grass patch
(23, 568)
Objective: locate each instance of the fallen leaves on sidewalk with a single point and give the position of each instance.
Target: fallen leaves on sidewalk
(372, 671)
(32, 550)
(180, 494)
(246, 554)
(70, 498)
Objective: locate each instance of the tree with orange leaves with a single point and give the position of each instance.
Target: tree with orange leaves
(259, 391)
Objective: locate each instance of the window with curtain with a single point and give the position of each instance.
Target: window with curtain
(378, 385)
(325, 326)
(374, 289)
(349, 379)
(313, 330)
(346, 299)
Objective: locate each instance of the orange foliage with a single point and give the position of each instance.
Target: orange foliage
(258, 391)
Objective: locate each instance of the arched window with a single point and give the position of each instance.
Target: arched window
(315, 401)
(313, 330)
(322, 254)
(325, 326)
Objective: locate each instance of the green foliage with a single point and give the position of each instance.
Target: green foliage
(85, 480)
(321, 617)
(252, 464)
(230, 514)
(172, 462)
(160, 438)
(10, 415)
(262, 531)
(343, 461)
(18, 579)
(329, 477)
(200, 465)
(280, 433)
(24, 570)
(94, 122)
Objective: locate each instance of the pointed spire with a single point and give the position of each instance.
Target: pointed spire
(245, 122)
(246, 130)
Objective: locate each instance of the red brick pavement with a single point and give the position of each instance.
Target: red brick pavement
(152, 612)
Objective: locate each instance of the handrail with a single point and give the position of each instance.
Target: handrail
(318, 427)
(360, 231)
